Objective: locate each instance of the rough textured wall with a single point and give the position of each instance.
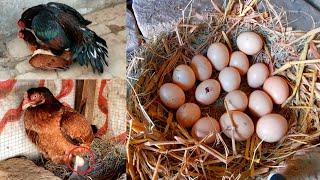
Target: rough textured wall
(11, 10)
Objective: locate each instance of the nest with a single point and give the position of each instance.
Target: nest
(158, 147)
(109, 162)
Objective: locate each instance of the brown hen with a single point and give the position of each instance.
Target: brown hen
(53, 127)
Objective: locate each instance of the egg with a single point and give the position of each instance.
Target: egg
(240, 61)
(249, 43)
(206, 127)
(260, 103)
(171, 95)
(184, 77)
(218, 54)
(236, 100)
(277, 88)
(271, 127)
(201, 67)
(243, 124)
(208, 91)
(188, 114)
(230, 79)
(257, 74)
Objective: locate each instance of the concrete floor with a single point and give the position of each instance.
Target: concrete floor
(109, 23)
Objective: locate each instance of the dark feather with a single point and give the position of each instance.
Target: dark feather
(69, 10)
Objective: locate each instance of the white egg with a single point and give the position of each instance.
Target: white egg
(257, 74)
(236, 100)
(201, 67)
(242, 123)
(230, 79)
(277, 88)
(184, 77)
(260, 103)
(206, 127)
(240, 61)
(271, 127)
(218, 54)
(249, 43)
(188, 114)
(171, 95)
(208, 91)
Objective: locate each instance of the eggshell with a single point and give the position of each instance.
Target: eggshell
(244, 126)
(188, 114)
(271, 127)
(240, 61)
(260, 103)
(230, 79)
(206, 127)
(201, 67)
(208, 91)
(277, 88)
(184, 77)
(249, 43)
(171, 95)
(257, 74)
(236, 100)
(218, 54)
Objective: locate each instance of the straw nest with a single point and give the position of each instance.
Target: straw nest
(109, 162)
(158, 147)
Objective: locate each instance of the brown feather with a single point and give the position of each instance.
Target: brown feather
(49, 62)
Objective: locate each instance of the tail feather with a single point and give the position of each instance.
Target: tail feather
(93, 50)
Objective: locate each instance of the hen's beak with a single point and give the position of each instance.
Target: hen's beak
(26, 102)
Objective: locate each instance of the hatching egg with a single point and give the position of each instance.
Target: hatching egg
(243, 125)
(206, 127)
(236, 100)
(184, 77)
(271, 127)
(201, 67)
(249, 43)
(230, 79)
(208, 91)
(188, 114)
(260, 103)
(171, 95)
(240, 61)
(218, 54)
(277, 88)
(257, 74)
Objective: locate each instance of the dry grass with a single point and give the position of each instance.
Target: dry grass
(159, 148)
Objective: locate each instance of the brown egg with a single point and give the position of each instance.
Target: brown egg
(249, 43)
(260, 103)
(257, 74)
(201, 67)
(244, 127)
(171, 95)
(272, 127)
(277, 88)
(188, 114)
(218, 54)
(230, 79)
(184, 77)
(208, 92)
(240, 61)
(236, 100)
(206, 127)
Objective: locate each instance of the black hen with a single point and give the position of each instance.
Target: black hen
(60, 27)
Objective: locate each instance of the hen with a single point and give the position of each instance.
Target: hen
(61, 28)
(55, 129)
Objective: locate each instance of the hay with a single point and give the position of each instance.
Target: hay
(109, 162)
(159, 148)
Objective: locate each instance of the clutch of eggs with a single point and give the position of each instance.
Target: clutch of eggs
(267, 90)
